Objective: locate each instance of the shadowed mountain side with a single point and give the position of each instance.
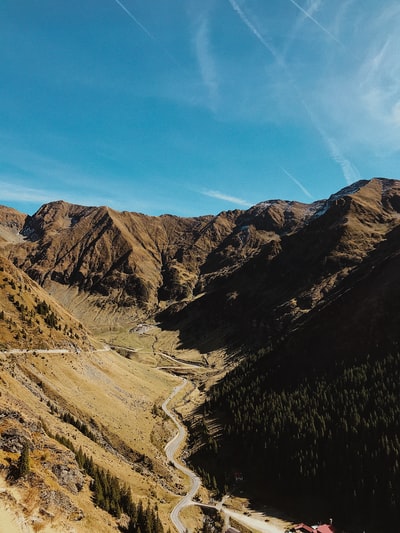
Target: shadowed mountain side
(305, 296)
(241, 275)
(134, 264)
(361, 316)
(274, 292)
(318, 406)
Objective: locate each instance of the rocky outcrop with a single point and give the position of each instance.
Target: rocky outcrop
(68, 476)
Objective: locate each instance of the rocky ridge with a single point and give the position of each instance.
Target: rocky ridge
(264, 268)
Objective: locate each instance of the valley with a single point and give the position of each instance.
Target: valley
(185, 397)
(152, 366)
(128, 431)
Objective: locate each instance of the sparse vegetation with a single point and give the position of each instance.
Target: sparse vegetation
(80, 426)
(113, 497)
(309, 423)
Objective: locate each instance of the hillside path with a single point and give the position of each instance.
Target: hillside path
(170, 450)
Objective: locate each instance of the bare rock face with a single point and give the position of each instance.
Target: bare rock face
(13, 439)
(68, 476)
(16, 430)
(53, 499)
(11, 224)
(54, 476)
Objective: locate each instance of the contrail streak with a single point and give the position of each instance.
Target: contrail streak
(307, 14)
(226, 197)
(297, 182)
(299, 22)
(147, 32)
(135, 20)
(255, 32)
(350, 172)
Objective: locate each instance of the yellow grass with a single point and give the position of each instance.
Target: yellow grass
(117, 395)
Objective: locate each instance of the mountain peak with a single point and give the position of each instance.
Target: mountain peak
(134, 261)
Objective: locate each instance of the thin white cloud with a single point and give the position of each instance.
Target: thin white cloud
(30, 164)
(135, 20)
(379, 82)
(313, 7)
(12, 192)
(341, 15)
(255, 32)
(226, 197)
(359, 97)
(146, 31)
(320, 26)
(55, 179)
(349, 171)
(298, 183)
(206, 61)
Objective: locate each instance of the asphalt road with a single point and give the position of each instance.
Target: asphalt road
(261, 524)
(170, 450)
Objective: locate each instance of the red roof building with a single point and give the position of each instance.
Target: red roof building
(303, 528)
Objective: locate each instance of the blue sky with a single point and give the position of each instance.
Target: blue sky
(194, 107)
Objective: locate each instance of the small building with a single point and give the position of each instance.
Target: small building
(238, 476)
(304, 528)
(325, 529)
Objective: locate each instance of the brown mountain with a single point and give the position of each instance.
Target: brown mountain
(315, 398)
(260, 272)
(312, 284)
(101, 259)
(11, 223)
(319, 264)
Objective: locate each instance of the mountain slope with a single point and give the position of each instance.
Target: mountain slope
(101, 260)
(305, 296)
(82, 410)
(30, 317)
(316, 400)
(301, 272)
(121, 259)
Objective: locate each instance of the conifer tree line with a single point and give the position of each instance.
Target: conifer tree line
(332, 434)
(109, 494)
(70, 419)
(80, 426)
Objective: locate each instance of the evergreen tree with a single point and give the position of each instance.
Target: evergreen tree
(333, 431)
(23, 467)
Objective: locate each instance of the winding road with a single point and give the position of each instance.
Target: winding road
(260, 524)
(170, 450)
